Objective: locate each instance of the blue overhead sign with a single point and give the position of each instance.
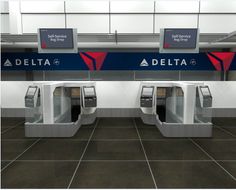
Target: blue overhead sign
(119, 61)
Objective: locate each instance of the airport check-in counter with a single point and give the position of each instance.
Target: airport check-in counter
(146, 99)
(32, 97)
(89, 97)
(63, 107)
(177, 113)
(205, 96)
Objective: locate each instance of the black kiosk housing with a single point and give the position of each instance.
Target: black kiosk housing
(205, 96)
(146, 99)
(32, 97)
(90, 98)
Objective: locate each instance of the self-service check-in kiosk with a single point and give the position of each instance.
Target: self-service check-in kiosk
(146, 99)
(205, 96)
(63, 108)
(89, 97)
(32, 97)
(178, 112)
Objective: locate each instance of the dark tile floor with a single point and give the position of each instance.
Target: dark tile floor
(117, 153)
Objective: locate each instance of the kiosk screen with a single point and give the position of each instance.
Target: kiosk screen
(147, 91)
(31, 91)
(205, 92)
(56, 38)
(180, 38)
(89, 91)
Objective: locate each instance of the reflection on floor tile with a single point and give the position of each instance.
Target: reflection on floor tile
(116, 122)
(113, 175)
(173, 150)
(219, 150)
(115, 133)
(114, 150)
(139, 123)
(191, 175)
(83, 133)
(11, 149)
(23, 174)
(55, 150)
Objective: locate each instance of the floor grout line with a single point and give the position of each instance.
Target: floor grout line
(150, 169)
(8, 129)
(20, 155)
(77, 167)
(28, 139)
(226, 131)
(213, 159)
(115, 128)
(118, 160)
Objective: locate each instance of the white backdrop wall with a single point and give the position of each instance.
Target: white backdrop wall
(223, 93)
(132, 16)
(118, 94)
(13, 93)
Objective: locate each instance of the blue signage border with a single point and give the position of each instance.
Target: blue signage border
(119, 61)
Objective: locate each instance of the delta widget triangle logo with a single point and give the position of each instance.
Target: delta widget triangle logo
(221, 60)
(7, 63)
(144, 63)
(93, 60)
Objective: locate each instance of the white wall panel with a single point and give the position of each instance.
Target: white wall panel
(180, 6)
(13, 93)
(15, 22)
(117, 94)
(4, 23)
(42, 6)
(223, 94)
(87, 6)
(132, 6)
(218, 6)
(86, 23)
(175, 21)
(214, 23)
(135, 23)
(4, 7)
(31, 22)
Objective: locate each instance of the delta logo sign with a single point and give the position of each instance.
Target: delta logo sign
(221, 61)
(93, 60)
(215, 61)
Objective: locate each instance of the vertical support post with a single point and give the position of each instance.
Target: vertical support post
(15, 22)
(62, 100)
(65, 102)
(173, 100)
(48, 110)
(189, 103)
